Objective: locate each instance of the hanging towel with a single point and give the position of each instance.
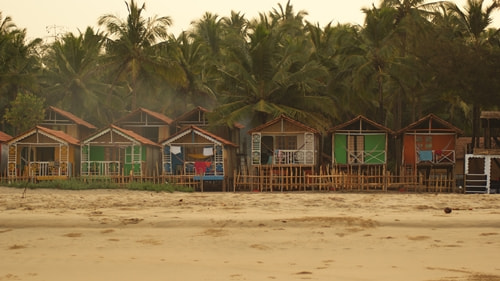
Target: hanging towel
(425, 155)
(175, 149)
(201, 167)
(208, 151)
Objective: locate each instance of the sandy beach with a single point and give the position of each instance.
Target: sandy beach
(134, 235)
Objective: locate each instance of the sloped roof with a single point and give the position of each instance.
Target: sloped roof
(190, 112)
(4, 137)
(58, 135)
(361, 118)
(128, 133)
(285, 118)
(425, 124)
(156, 115)
(72, 117)
(201, 132)
(204, 110)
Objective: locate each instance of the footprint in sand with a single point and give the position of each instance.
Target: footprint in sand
(73, 234)
(418, 238)
(259, 247)
(10, 277)
(17, 247)
(214, 232)
(131, 221)
(153, 242)
(488, 234)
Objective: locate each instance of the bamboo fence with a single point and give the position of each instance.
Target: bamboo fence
(285, 178)
(288, 178)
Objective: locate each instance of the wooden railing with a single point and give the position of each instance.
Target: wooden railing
(364, 157)
(47, 168)
(291, 156)
(436, 156)
(101, 168)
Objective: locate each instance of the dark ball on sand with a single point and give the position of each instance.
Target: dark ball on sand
(447, 210)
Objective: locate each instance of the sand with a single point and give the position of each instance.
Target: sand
(134, 235)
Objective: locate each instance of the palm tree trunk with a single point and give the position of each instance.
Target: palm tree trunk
(381, 98)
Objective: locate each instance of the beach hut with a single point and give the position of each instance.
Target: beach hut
(115, 151)
(4, 152)
(284, 141)
(149, 124)
(429, 148)
(202, 154)
(44, 154)
(198, 117)
(482, 161)
(60, 120)
(360, 144)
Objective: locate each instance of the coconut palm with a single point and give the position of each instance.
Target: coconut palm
(473, 24)
(20, 62)
(411, 20)
(272, 75)
(370, 65)
(190, 55)
(74, 77)
(132, 53)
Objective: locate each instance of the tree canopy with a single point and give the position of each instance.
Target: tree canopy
(408, 59)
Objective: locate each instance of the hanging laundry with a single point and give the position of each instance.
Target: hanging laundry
(175, 149)
(208, 151)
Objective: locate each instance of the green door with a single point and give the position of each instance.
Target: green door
(133, 159)
(340, 149)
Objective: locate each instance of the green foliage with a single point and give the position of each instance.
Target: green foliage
(19, 62)
(408, 59)
(167, 187)
(78, 184)
(25, 111)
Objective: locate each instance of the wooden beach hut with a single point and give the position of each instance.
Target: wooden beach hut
(360, 144)
(115, 151)
(284, 141)
(43, 154)
(482, 160)
(429, 146)
(60, 120)
(201, 154)
(194, 117)
(149, 124)
(284, 154)
(4, 152)
(359, 154)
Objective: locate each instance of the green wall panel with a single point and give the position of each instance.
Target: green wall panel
(340, 149)
(374, 149)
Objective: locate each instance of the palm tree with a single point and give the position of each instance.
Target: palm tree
(132, 51)
(20, 63)
(411, 20)
(370, 66)
(272, 75)
(190, 55)
(74, 77)
(473, 25)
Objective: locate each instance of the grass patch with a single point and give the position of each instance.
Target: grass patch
(79, 184)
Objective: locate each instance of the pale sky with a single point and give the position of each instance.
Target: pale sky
(43, 18)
